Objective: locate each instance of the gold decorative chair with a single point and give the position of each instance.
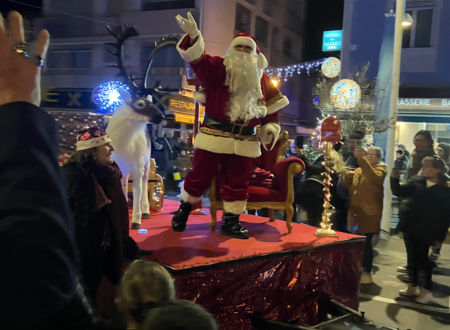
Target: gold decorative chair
(155, 187)
(280, 196)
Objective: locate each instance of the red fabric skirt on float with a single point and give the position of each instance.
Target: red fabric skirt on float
(279, 276)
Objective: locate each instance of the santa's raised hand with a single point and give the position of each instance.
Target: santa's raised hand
(188, 25)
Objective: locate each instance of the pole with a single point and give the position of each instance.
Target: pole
(390, 145)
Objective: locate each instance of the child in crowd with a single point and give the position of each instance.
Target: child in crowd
(144, 284)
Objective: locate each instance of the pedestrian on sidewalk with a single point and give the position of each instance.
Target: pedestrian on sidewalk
(423, 142)
(426, 220)
(365, 186)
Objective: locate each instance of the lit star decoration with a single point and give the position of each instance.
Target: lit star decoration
(286, 72)
(107, 96)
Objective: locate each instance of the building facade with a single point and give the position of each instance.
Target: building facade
(424, 80)
(78, 59)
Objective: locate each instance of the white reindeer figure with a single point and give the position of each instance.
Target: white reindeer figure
(127, 129)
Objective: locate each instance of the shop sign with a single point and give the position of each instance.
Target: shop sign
(181, 104)
(332, 40)
(423, 103)
(67, 98)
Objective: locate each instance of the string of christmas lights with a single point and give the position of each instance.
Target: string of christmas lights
(286, 72)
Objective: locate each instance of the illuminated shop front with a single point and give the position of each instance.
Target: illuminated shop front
(416, 114)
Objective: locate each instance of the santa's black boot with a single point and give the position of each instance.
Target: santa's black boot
(181, 216)
(232, 227)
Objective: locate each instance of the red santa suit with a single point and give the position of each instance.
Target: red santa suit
(218, 141)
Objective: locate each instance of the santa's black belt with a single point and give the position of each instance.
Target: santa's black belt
(228, 127)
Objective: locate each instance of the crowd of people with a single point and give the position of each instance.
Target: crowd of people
(419, 179)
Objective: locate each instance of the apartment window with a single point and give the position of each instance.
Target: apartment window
(69, 59)
(287, 47)
(419, 34)
(261, 30)
(243, 19)
(275, 36)
(269, 7)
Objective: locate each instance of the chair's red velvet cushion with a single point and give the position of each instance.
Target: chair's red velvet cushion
(262, 194)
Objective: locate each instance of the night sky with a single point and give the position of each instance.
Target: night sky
(322, 15)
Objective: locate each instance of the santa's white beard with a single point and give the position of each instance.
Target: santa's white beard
(244, 84)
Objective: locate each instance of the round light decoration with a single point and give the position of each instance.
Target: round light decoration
(345, 94)
(331, 67)
(107, 96)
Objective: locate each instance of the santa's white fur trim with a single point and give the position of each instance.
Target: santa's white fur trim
(194, 52)
(245, 41)
(187, 198)
(225, 145)
(235, 207)
(93, 142)
(277, 105)
(269, 133)
(262, 61)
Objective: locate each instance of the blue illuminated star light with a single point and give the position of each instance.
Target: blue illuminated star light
(107, 96)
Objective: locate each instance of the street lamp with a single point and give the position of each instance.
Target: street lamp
(407, 21)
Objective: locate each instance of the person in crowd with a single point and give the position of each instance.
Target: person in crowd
(443, 151)
(403, 148)
(144, 284)
(178, 315)
(423, 142)
(100, 209)
(239, 96)
(39, 287)
(365, 186)
(310, 194)
(349, 157)
(401, 160)
(426, 220)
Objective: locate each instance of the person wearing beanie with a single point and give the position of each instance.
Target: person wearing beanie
(100, 209)
(238, 98)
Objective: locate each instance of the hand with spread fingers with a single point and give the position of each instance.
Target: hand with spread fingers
(20, 71)
(188, 25)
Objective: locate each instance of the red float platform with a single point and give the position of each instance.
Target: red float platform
(281, 276)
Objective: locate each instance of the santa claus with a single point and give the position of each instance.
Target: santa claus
(241, 111)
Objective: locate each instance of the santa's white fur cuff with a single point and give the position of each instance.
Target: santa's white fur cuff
(235, 207)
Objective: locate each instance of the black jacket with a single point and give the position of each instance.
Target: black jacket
(425, 212)
(37, 251)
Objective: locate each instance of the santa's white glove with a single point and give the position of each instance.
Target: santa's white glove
(269, 133)
(188, 25)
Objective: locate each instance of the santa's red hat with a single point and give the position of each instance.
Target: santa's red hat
(91, 138)
(246, 39)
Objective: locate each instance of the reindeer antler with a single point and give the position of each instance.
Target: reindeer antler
(121, 35)
(158, 92)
